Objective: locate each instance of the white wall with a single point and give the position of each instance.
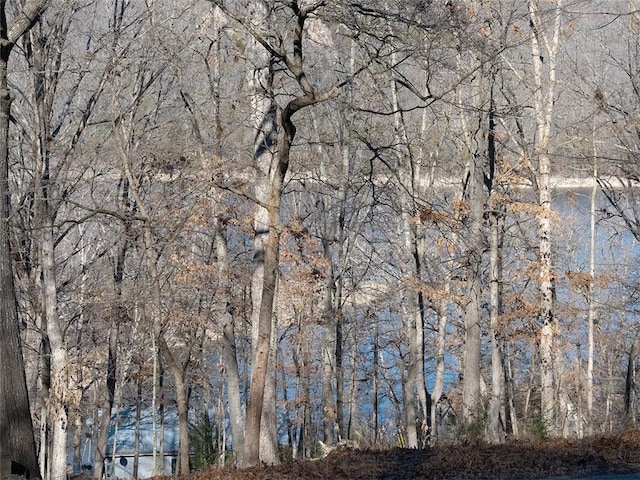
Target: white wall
(145, 467)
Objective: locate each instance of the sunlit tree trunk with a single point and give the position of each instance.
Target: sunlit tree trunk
(57, 376)
(544, 57)
(375, 389)
(264, 113)
(60, 380)
(411, 307)
(59, 392)
(337, 283)
(508, 390)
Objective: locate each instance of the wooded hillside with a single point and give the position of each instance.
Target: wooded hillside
(313, 220)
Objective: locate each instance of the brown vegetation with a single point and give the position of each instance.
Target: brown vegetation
(517, 460)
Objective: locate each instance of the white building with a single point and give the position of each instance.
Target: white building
(131, 443)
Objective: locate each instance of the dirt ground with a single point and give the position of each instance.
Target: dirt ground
(519, 460)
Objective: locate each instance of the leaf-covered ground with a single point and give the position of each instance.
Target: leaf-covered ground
(519, 460)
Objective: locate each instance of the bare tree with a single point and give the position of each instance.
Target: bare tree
(16, 429)
(544, 57)
(290, 55)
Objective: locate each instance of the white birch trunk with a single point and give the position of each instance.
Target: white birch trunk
(544, 57)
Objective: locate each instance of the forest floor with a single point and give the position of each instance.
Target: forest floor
(557, 458)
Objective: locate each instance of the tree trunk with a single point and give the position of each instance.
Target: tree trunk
(16, 428)
(336, 274)
(375, 414)
(509, 388)
(262, 347)
(340, 396)
(58, 394)
(265, 245)
(414, 388)
(473, 224)
(496, 420)
(136, 448)
(548, 404)
(630, 383)
(471, 406)
(265, 141)
(229, 351)
(303, 364)
(333, 244)
(260, 374)
(441, 347)
(182, 404)
(60, 384)
(112, 351)
(591, 293)
(544, 77)
(328, 369)
(473, 184)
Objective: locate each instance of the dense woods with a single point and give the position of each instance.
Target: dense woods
(304, 223)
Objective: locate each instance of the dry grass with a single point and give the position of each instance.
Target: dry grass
(518, 460)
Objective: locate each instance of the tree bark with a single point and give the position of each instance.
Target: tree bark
(414, 388)
(592, 315)
(472, 194)
(264, 113)
(16, 428)
(441, 347)
(58, 394)
(182, 404)
(496, 420)
(262, 347)
(496, 417)
(630, 383)
(278, 168)
(471, 406)
(229, 351)
(544, 77)
(112, 347)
